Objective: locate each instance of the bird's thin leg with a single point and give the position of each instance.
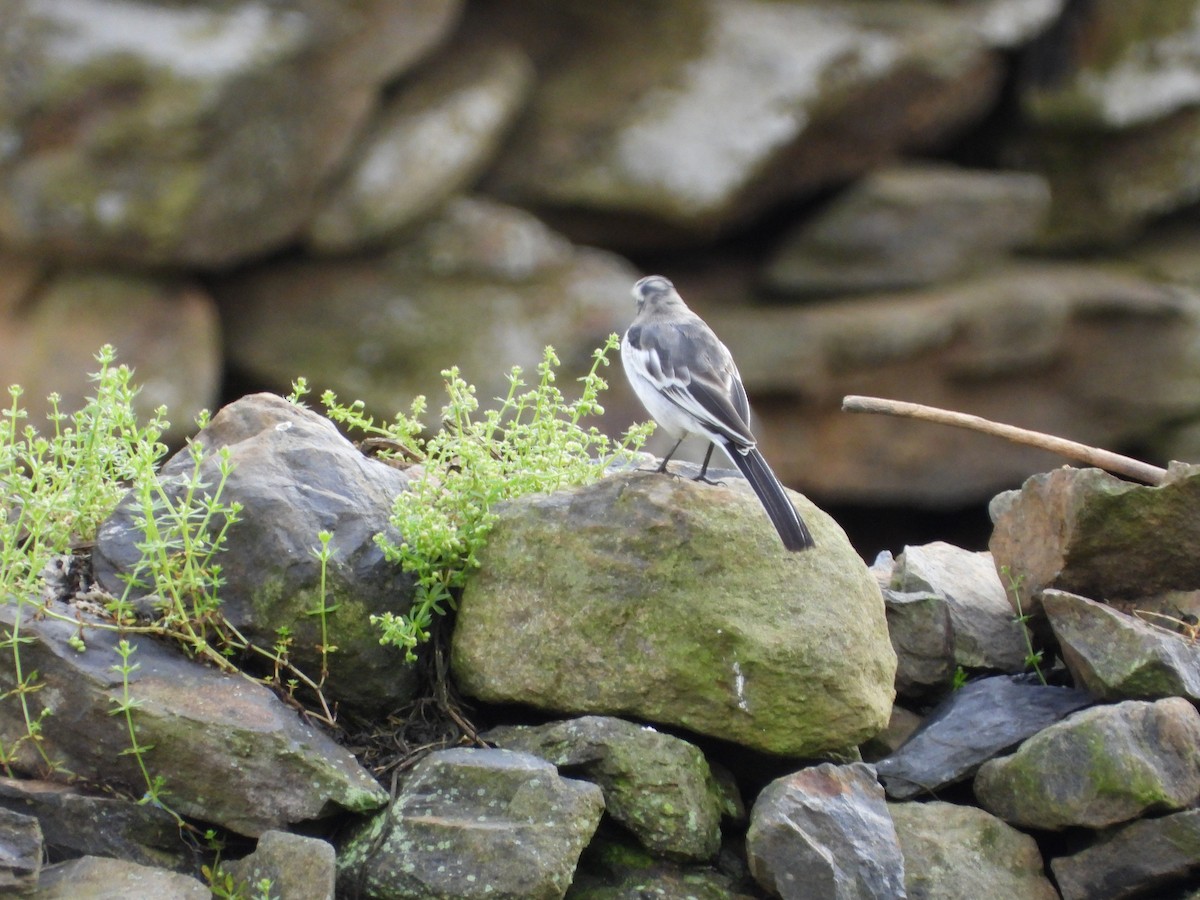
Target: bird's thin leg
(704, 467)
(662, 467)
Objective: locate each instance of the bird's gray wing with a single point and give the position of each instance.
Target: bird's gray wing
(696, 372)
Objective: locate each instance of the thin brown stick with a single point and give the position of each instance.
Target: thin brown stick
(1092, 456)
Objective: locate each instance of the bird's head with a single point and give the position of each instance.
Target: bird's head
(653, 289)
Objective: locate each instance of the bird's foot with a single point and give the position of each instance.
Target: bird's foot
(657, 470)
(706, 480)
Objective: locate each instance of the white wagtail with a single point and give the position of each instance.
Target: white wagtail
(687, 380)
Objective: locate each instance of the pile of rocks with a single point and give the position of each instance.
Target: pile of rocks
(856, 195)
(676, 706)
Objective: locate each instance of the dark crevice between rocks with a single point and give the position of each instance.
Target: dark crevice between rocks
(437, 718)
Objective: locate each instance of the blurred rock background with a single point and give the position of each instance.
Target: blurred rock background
(988, 205)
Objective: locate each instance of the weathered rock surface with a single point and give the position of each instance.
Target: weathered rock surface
(1090, 533)
(922, 635)
(1119, 657)
(76, 824)
(53, 322)
(1150, 855)
(985, 634)
(295, 476)
(298, 867)
(480, 286)
(654, 784)
(952, 852)
(825, 832)
(474, 823)
(981, 720)
(430, 141)
(645, 147)
(673, 602)
(207, 130)
(910, 226)
(21, 851)
(115, 879)
(231, 753)
(1100, 767)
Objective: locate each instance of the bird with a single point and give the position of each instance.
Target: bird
(688, 382)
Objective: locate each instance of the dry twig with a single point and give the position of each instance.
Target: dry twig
(1092, 456)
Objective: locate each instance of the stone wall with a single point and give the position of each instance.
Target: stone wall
(980, 204)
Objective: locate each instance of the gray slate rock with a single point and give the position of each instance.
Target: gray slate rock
(21, 851)
(909, 226)
(922, 634)
(956, 852)
(298, 867)
(1144, 857)
(981, 614)
(1118, 657)
(674, 602)
(1093, 534)
(230, 751)
(983, 719)
(295, 476)
(100, 878)
(473, 823)
(825, 832)
(1099, 767)
(658, 786)
(76, 824)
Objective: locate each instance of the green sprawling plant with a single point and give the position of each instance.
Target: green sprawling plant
(533, 441)
(56, 487)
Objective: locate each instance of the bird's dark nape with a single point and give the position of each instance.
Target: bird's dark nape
(792, 530)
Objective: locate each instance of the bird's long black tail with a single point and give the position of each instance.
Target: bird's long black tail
(791, 528)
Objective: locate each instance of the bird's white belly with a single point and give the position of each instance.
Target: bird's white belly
(673, 421)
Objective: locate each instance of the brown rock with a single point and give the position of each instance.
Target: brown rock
(825, 832)
(1090, 533)
(909, 226)
(108, 879)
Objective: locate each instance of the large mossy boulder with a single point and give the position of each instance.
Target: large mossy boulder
(670, 601)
